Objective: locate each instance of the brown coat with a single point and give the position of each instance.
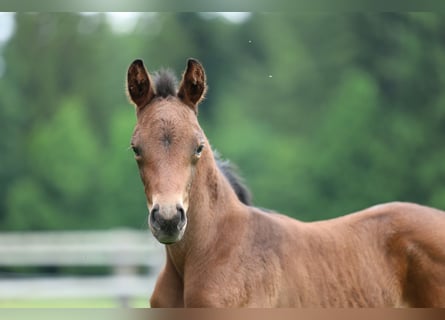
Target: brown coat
(223, 253)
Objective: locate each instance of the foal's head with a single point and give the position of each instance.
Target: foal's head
(167, 142)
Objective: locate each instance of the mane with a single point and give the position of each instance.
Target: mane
(237, 183)
(165, 83)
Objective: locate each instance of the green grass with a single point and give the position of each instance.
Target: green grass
(72, 303)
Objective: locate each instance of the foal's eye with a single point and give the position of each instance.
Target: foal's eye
(199, 150)
(136, 150)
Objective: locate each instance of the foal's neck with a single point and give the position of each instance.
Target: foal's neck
(212, 201)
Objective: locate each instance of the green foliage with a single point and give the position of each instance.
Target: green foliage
(324, 114)
(64, 151)
(29, 207)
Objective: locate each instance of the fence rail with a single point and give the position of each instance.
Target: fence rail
(123, 250)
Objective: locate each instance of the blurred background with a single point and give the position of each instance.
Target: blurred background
(323, 114)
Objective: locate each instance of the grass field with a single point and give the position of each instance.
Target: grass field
(72, 303)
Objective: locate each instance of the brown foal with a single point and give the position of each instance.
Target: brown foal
(222, 252)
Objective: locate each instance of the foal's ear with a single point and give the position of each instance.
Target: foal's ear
(139, 86)
(193, 84)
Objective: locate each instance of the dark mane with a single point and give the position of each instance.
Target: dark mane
(165, 83)
(237, 183)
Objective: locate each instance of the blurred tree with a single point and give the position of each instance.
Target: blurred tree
(323, 113)
(356, 97)
(61, 82)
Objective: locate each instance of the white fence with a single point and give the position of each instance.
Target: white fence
(123, 250)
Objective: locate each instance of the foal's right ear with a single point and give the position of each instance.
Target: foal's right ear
(139, 86)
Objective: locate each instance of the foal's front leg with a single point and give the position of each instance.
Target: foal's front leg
(169, 289)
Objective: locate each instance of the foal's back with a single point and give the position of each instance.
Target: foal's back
(387, 255)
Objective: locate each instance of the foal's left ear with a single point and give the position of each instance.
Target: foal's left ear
(193, 84)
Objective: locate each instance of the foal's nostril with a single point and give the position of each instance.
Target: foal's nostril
(181, 213)
(155, 210)
(154, 216)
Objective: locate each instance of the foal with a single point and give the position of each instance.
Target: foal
(222, 252)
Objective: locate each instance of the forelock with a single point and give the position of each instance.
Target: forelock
(165, 83)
